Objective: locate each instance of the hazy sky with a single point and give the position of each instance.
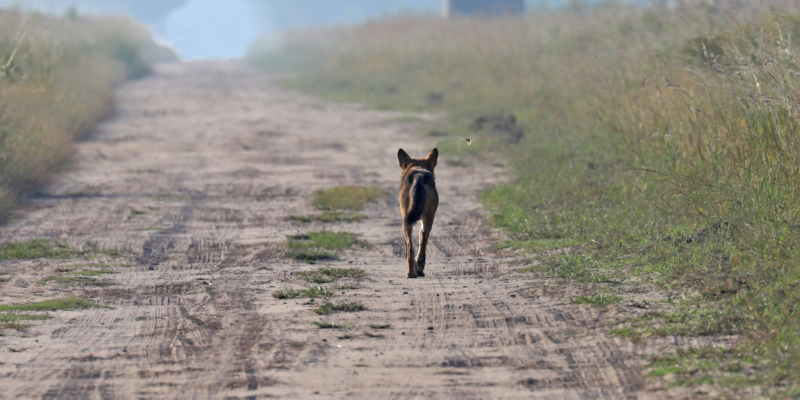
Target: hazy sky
(224, 28)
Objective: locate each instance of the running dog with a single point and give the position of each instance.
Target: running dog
(418, 201)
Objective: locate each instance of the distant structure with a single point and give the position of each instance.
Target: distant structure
(482, 8)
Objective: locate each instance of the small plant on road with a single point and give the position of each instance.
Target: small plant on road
(352, 198)
(348, 306)
(321, 245)
(286, 293)
(329, 216)
(330, 274)
(318, 291)
(597, 300)
(43, 248)
(330, 325)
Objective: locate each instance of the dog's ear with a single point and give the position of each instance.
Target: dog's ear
(432, 158)
(403, 158)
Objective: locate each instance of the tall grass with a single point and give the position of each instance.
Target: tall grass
(663, 142)
(56, 81)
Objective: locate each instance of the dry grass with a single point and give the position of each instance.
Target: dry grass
(56, 81)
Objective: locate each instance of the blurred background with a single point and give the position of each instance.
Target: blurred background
(199, 29)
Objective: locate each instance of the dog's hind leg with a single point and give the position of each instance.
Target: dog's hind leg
(424, 234)
(412, 267)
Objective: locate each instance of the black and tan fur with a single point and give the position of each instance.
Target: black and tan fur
(418, 201)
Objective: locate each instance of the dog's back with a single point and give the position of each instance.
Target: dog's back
(418, 201)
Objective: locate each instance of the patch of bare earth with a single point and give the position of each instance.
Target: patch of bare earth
(195, 176)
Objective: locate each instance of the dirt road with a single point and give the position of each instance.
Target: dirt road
(195, 176)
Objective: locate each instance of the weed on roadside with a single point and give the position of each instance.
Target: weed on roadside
(322, 245)
(286, 293)
(39, 248)
(597, 300)
(10, 320)
(329, 216)
(381, 326)
(345, 305)
(43, 248)
(330, 274)
(64, 304)
(373, 335)
(75, 280)
(318, 291)
(331, 325)
(353, 198)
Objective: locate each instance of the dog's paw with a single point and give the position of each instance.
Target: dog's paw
(410, 276)
(420, 273)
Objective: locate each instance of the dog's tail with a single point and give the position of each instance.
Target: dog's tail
(417, 196)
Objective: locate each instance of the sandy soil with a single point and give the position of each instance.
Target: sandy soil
(195, 176)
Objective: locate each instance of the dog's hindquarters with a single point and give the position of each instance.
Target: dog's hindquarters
(419, 201)
(416, 196)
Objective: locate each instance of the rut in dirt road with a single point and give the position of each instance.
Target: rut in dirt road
(194, 178)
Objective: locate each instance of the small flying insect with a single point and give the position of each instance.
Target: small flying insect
(469, 142)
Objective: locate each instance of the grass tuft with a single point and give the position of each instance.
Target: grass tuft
(42, 248)
(352, 198)
(322, 245)
(75, 280)
(331, 325)
(597, 300)
(65, 304)
(347, 306)
(318, 291)
(331, 274)
(329, 216)
(12, 320)
(39, 248)
(286, 293)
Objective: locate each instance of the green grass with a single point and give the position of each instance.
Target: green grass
(13, 320)
(322, 245)
(346, 306)
(373, 335)
(39, 248)
(352, 198)
(380, 326)
(42, 248)
(286, 293)
(310, 292)
(597, 300)
(328, 217)
(75, 280)
(331, 274)
(65, 304)
(80, 278)
(318, 291)
(331, 325)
